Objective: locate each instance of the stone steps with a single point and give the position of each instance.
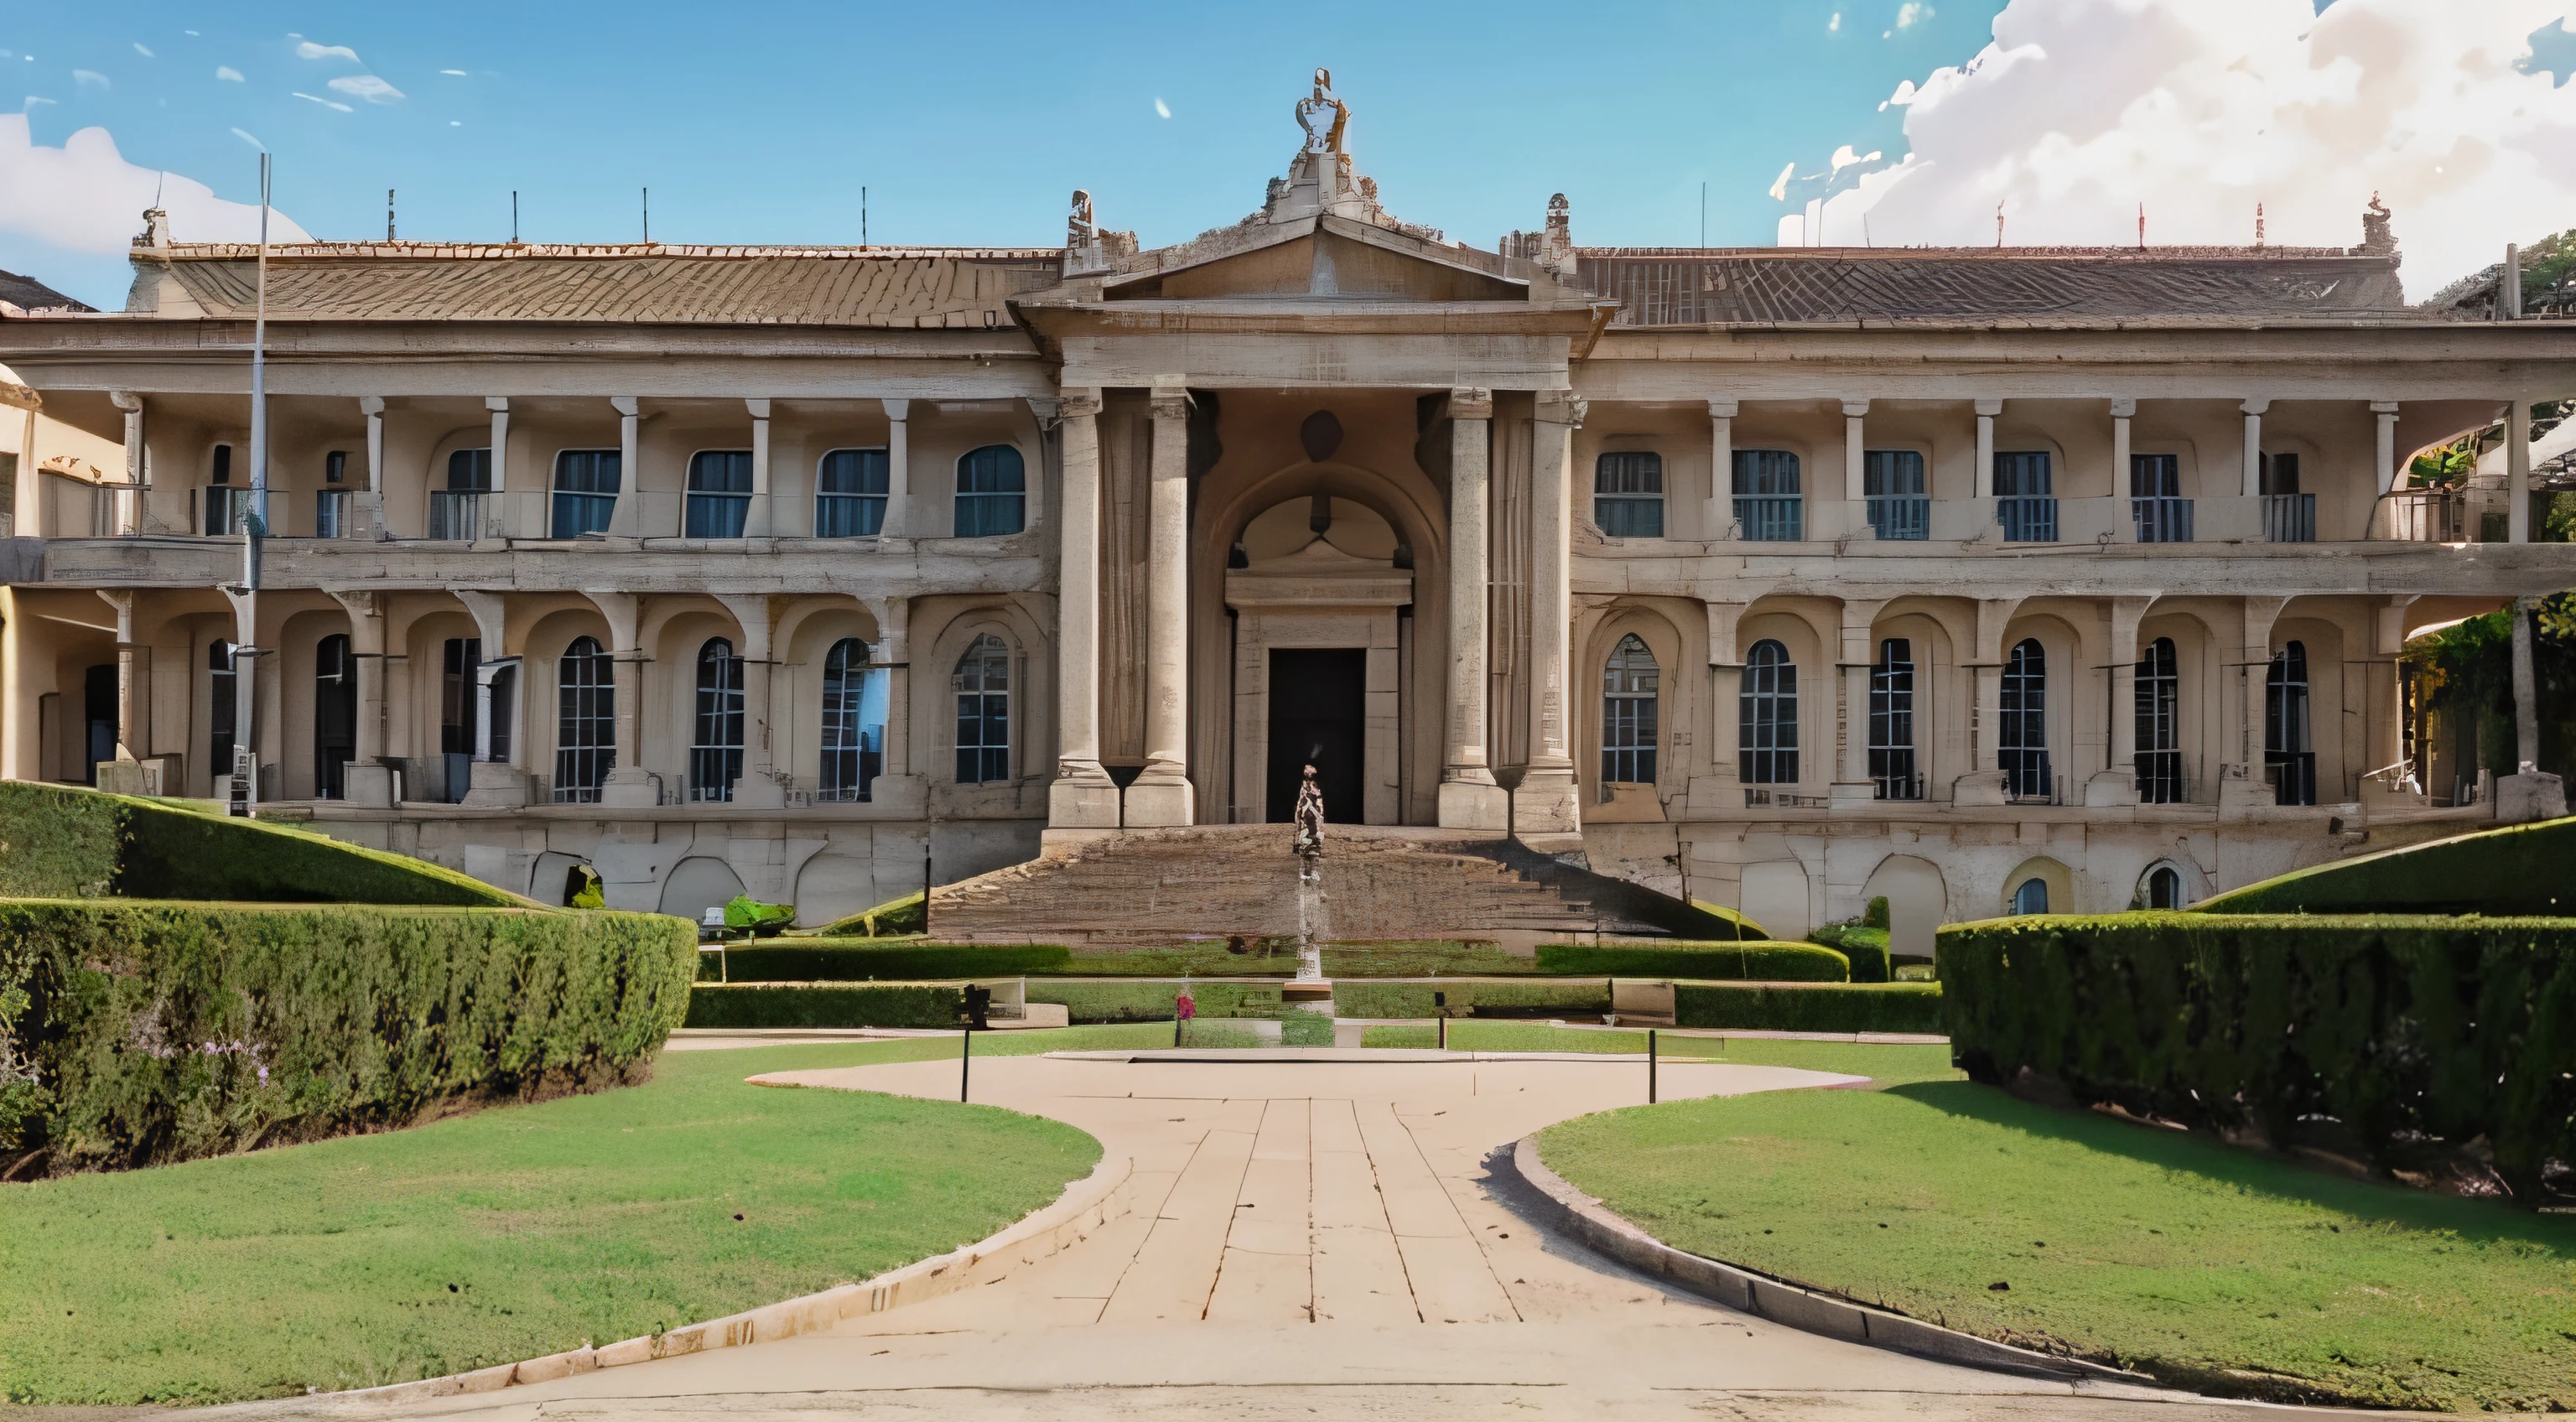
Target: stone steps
(1147, 887)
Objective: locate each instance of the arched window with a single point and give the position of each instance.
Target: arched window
(850, 494)
(719, 493)
(983, 688)
(1628, 692)
(715, 755)
(1628, 494)
(335, 716)
(1766, 495)
(1767, 721)
(2157, 697)
(2022, 746)
(991, 491)
(1891, 722)
(2289, 757)
(2031, 897)
(223, 705)
(456, 512)
(854, 719)
(2163, 889)
(585, 721)
(586, 483)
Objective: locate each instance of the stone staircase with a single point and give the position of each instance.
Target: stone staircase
(1155, 887)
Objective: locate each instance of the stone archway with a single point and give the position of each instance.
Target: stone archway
(1918, 902)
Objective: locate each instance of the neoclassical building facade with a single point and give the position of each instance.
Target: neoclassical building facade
(1981, 579)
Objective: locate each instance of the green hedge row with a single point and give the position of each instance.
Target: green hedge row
(1865, 946)
(2514, 871)
(1750, 961)
(837, 960)
(1468, 998)
(881, 1004)
(1809, 1007)
(63, 842)
(2418, 1035)
(1153, 1001)
(139, 1032)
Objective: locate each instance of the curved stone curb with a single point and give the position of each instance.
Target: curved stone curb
(1569, 1211)
(1105, 1194)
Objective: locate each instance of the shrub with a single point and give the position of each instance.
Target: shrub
(1153, 1001)
(59, 842)
(160, 1031)
(1875, 916)
(840, 960)
(1469, 998)
(2417, 1035)
(760, 920)
(1745, 929)
(906, 915)
(2521, 869)
(1866, 947)
(1758, 960)
(1809, 1007)
(826, 1005)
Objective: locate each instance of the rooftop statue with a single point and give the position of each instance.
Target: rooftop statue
(1323, 138)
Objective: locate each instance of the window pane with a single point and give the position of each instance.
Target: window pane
(1766, 472)
(1635, 472)
(1891, 471)
(994, 469)
(2022, 474)
(852, 471)
(1629, 518)
(469, 471)
(720, 471)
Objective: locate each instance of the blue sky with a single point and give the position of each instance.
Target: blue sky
(969, 123)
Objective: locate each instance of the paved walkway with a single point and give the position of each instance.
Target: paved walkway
(1310, 1239)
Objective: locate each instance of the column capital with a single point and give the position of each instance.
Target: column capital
(897, 409)
(2256, 406)
(497, 404)
(1721, 409)
(1854, 409)
(359, 602)
(1990, 406)
(759, 408)
(1562, 407)
(371, 404)
(2124, 407)
(1470, 402)
(1046, 409)
(2383, 407)
(1078, 403)
(125, 400)
(626, 405)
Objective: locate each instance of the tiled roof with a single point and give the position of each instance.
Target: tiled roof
(1762, 286)
(885, 287)
(30, 294)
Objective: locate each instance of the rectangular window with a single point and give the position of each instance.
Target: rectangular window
(1893, 490)
(1628, 494)
(2156, 504)
(585, 494)
(991, 492)
(2280, 473)
(331, 513)
(227, 511)
(850, 494)
(335, 466)
(719, 493)
(1891, 722)
(1766, 495)
(2025, 497)
(223, 464)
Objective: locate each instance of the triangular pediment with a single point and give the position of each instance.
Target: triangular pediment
(1327, 258)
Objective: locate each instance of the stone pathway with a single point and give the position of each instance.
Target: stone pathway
(1309, 1239)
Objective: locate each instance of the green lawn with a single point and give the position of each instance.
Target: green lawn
(510, 1232)
(2207, 1265)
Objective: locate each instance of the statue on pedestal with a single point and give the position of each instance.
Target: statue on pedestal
(1322, 137)
(1308, 840)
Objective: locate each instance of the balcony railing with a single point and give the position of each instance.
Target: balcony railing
(1760, 796)
(1769, 518)
(455, 517)
(2428, 516)
(2293, 775)
(226, 510)
(1900, 787)
(2028, 518)
(2289, 518)
(1900, 516)
(2162, 520)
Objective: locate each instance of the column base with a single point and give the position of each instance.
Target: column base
(494, 784)
(628, 789)
(2530, 795)
(1160, 803)
(1547, 802)
(1082, 803)
(2111, 789)
(368, 785)
(1979, 787)
(1464, 804)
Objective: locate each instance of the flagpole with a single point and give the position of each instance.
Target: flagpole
(254, 527)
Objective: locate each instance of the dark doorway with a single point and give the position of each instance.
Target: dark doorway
(335, 717)
(1318, 714)
(98, 712)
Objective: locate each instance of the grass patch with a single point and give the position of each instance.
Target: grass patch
(508, 1233)
(2177, 1255)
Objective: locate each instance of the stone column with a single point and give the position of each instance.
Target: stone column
(1715, 783)
(1547, 802)
(2529, 793)
(2253, 410)
(756, 521)
(128, 519)
(369, 781)
(1855, 452)
(628, 784)
(1986, 409)
(1983, 784)
(2117, 783)
(1162, 794)
(903, 788)
(496, 519)
(2517, 470)
(2123, 410)
(1082, 797)
(133, 687)
(1721, 468)
(760, 783)
(371, 500)
(622, 515)
(245, 604)
(2241, 786)
(2384, 463)
(1469, 798)
(1852, 784)
(898, 509)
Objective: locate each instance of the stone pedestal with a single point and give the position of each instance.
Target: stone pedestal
(1082, 804)
(496, 784)
(2111, 788)
(1979, 787)
(632, 789)
(1548, 802)
(368, 785)
(1159, 803)
(1468, 805)
(2530, 795)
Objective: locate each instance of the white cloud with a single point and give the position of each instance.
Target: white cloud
(367, 87)
(1912, 13)
(227, 73)
(85, 197)
(89, 79)
(147, 54)
(1162, 109)
(309, 50)
(33, 100)
(459, 73)
(2082, 109)
(1835, 23)
(248, 138)
(1780, 185)
(326, 103)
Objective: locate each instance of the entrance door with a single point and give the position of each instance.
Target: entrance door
(1318, 716)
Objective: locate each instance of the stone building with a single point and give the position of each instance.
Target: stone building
(1982, 579)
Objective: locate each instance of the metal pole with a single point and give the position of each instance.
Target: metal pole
(259, 370)
(1650, 1066)
(965, 1058)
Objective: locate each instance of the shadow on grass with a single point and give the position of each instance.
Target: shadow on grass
(2253, 1172)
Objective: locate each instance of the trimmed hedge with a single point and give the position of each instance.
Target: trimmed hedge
(1809, 1007)
(826, 1005)
(844, 960)
(1865, 946)
(2517, 870)
(1745, 928)
(2417, 1035)
(64, 842)
(894, 919)
(1751, 960)
(1086, 1002)
(1538, 998)
(147, 1032)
